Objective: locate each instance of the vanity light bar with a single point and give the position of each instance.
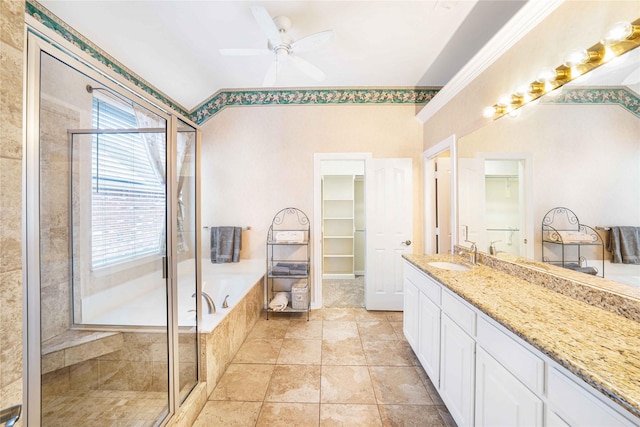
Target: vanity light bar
(621, 38)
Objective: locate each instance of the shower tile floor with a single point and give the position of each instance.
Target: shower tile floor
(104, 408)
(344, 367)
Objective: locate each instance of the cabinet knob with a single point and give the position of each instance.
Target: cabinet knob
(406, 243)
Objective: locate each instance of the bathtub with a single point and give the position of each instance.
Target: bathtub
(142, 302)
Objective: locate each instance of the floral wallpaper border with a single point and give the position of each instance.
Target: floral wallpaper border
(606, 95)
(230, 98)
(226, 98)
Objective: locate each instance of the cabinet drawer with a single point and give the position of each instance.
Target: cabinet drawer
(523, 364)
(459, 312)
(424, 283)
(577, 406)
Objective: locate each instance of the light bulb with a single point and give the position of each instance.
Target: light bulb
(618, 32)
(488, 112)
(546, 75)
(576, 57)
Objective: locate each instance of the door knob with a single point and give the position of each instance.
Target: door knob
(406, 243)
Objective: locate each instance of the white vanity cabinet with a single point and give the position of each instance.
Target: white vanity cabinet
(487, 375)
(422, 319)
(457, 371)
(429, 337)
(501, 399)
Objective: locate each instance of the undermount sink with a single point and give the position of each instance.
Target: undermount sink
(449, 266)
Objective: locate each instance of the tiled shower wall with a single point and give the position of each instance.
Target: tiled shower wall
(11, 70)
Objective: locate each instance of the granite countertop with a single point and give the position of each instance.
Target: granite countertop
(598, 346)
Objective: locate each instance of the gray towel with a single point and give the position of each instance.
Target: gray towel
(226, 243)
(624, 245)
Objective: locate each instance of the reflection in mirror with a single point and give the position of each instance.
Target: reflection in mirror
(578, 147)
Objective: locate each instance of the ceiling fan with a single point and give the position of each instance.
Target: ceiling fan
(283, 47)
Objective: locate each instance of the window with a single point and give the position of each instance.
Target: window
(128, 196)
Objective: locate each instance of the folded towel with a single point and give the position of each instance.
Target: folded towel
(279, 301)
(226, 243)
(624, 245)
(290, 236)
(280, 271)
(575, 237)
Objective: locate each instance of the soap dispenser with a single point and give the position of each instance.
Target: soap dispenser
(492, 247)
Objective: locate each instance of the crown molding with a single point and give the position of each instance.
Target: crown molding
(531, 14)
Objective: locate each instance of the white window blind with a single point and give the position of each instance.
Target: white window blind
(128, 200)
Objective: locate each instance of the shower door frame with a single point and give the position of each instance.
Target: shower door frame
(38, 40)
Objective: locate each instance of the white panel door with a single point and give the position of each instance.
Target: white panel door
(389, 211)
(443, 204)
(471, 202)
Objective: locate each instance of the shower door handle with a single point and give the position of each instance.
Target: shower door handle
(9, 416)
(164, 267)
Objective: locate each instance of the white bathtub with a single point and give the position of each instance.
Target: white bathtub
(142, 302)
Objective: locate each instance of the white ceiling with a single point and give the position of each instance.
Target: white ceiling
(174, 44)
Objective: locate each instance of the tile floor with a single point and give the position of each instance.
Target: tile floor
(344, 367)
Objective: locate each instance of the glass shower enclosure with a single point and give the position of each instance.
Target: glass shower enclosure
(112, 268)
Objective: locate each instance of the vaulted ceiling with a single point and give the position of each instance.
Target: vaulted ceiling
(175, 45)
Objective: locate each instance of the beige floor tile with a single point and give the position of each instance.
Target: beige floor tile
(311, 330)
(411, 415)
(431, 389)
(339, 313)
(289, 414)
(259, 351)
(346, 415)
(244, 382)
(343, 352)
(300, 352)
(339, 329)
(388, 353)
(369, 316)
(376, 330)
(221, 413)
(294, 383)
(395, 316)
(399, 385)
(269, 329)
(346, 384)
(397, 328)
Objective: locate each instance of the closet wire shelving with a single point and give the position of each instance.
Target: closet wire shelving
(289, 260)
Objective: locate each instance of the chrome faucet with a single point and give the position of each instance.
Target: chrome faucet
(211, 306)
(472, 252)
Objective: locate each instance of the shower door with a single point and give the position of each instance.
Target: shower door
(104, 184)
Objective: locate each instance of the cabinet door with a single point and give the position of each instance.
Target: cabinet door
(457, 363)
(502, 400)
(410, 317)
(429, 338)
(578, 407)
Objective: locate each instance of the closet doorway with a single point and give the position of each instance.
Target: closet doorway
(342, 240)
(340, 234)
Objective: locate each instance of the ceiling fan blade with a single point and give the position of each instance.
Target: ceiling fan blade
(308, 68)
(313, 41)
(271, 76)
(266, 24)
(244, 52)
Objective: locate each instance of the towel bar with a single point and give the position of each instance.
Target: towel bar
(603, 228)
(243, 228)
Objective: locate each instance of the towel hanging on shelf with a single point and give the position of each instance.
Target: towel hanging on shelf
(226, 243)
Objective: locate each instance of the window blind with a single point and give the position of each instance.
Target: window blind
(128, 198)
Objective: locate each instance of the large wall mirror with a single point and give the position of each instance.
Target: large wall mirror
(578, 149)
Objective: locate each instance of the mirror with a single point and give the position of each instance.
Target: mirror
(578, 148)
